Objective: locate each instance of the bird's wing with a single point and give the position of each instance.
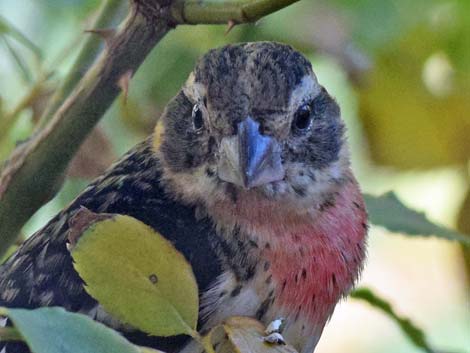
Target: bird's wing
(40, 272)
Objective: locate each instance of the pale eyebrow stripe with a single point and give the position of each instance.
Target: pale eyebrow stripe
(308, 89)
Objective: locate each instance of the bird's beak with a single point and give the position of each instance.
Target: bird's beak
(249, 159)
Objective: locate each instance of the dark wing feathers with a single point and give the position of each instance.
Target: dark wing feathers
(41, 273)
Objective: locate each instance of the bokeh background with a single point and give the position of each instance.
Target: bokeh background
(401, 73)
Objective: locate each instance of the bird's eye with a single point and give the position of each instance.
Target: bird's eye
(302, 118)
(198, 121)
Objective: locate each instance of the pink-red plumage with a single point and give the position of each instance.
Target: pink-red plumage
(316, 263)
(314, 257)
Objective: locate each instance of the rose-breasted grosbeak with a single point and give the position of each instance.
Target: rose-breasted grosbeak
(248, 175)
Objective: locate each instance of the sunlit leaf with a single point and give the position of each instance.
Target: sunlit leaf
(54, 330)
(137, 275)
(414, 333)
(388, 211)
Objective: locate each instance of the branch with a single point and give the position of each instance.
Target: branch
(35, 169)
(220, 12)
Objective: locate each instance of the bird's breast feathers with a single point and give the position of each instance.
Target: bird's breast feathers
(305, 265)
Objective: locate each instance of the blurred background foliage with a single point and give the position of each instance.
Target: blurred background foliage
(401, 73)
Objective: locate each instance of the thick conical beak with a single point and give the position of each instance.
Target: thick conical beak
(250, 159)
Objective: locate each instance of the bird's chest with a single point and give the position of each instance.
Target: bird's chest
(302, 270)
(298, 266)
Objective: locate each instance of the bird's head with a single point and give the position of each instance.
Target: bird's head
(252, 122)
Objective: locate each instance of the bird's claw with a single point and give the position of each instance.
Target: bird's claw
(273, 332)
(275, 338)
(275, 326)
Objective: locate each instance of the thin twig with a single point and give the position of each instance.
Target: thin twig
(221, 12)
(9, 118)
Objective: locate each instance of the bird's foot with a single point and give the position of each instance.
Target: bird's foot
(273, 332)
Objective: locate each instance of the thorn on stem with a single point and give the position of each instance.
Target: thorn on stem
(107, 34)
(123, 83)
(230, 25)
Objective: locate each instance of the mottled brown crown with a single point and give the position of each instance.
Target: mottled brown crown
(261, 72)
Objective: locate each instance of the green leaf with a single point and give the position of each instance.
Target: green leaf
(414, 333)
(388, 211)
(137, 275)
(54, 330)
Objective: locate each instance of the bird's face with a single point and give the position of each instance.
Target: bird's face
(253, 121)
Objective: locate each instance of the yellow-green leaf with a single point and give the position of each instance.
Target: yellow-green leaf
(137, 276)
(245, 335)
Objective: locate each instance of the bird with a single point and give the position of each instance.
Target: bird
(248, 175)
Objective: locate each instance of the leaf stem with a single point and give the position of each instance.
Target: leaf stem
(221, 12)
(10, 334)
